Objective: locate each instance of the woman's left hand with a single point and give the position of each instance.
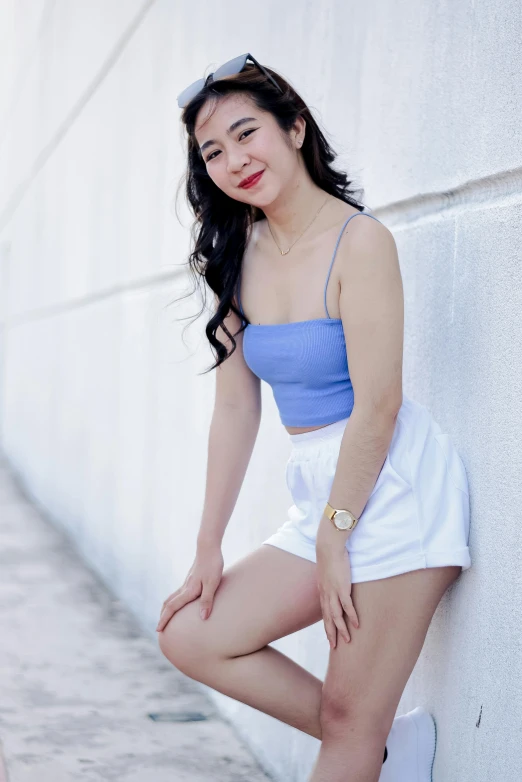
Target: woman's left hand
(334, 580)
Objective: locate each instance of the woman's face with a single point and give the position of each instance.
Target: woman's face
(238, 140)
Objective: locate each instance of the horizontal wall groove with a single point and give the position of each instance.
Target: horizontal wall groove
(20, 76)
(500, 189)
(52, 310)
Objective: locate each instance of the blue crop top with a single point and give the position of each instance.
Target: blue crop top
(304, 362)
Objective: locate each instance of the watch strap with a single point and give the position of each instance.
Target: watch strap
(330, 512)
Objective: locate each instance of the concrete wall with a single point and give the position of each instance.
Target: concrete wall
(103, 414)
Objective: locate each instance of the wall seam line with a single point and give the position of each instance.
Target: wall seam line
(46, 152)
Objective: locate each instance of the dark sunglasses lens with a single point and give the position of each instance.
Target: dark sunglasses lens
(190, 92)
(227, 69)
(231, 67)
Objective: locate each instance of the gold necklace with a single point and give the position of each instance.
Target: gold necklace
(285, 252)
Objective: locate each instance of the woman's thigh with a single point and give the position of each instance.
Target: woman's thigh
(264, 596)
(367, 676)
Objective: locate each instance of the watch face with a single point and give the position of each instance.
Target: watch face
(342, 519)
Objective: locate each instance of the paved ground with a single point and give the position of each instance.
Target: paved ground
(79, 680)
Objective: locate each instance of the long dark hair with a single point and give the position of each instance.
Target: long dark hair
(221, 228)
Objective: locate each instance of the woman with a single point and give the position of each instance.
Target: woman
(379, 524)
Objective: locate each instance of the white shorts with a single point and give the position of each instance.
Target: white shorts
(418, 513)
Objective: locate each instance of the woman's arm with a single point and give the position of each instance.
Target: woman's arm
(233, 431)
(372, 312)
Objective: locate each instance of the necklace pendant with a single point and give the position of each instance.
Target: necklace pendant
(285, 252)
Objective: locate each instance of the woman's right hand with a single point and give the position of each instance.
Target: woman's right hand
(203, 579)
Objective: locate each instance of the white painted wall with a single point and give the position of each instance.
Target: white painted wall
(103, 414)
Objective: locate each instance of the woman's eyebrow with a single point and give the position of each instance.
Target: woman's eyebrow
(231, 129)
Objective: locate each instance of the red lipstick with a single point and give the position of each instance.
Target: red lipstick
(251, 180)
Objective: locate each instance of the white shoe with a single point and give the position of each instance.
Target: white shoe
(411, 748)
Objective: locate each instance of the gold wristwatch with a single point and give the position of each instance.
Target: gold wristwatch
(342, 519)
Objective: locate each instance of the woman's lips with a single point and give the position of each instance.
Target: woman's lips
(254, 180)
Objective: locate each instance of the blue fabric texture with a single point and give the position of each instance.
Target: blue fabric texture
(304, 362)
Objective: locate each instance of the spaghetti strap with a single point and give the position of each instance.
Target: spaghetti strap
(335, 251)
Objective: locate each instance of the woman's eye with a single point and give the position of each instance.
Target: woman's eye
(251, 130)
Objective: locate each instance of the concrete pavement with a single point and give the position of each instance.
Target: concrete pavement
(84, 693)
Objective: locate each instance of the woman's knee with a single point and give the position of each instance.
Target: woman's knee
(184, 640)
(341, 715)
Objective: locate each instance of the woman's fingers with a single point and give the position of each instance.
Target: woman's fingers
(335, 586)
(207, 598)
(329, 624)
(172, 596)
(174, 604)
(166, 615)
(169, 610)
(348, 607)
(334, 609)
(338, 618)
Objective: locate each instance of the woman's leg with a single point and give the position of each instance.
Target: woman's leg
(266, 595)
(269, 594)
(366, 677)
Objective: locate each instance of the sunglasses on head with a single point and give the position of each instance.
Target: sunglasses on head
(229, 68)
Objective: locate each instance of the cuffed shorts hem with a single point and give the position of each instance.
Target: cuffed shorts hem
(457, 557)
(417, 515)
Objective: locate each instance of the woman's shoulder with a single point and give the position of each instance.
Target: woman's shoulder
(256, 240)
